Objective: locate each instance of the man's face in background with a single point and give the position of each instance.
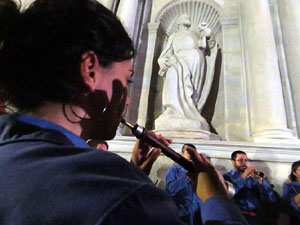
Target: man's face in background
(240, 163)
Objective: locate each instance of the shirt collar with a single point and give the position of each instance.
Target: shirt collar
(295, 183)
(233, 172)
(75, 139)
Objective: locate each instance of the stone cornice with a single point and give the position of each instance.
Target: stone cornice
(281, 152)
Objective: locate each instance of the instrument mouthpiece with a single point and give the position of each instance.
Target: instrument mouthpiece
(127, 124)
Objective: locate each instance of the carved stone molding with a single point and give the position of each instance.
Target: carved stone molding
(153, 27)
(199, 11)
(229, 21)
(271, 152)
(272, 1)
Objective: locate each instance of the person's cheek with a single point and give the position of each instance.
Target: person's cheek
(127, 101)
(109, 91)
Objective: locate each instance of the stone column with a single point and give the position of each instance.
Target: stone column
(127, 11)
(289, 11)
(267, 114)
(109, 4)
(25, 3)
(233, 96)
(143, 107)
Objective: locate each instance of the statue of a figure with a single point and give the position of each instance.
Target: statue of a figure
(183, 66)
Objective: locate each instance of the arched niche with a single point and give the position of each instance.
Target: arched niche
(199, 11)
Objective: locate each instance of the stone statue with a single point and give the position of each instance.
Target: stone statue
(183, 66)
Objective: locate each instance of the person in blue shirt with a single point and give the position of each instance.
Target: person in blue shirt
(65, 65)
(291, 193)
(178, 185)
(251, 190)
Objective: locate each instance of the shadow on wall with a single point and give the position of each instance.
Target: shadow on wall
(209, 106)
(222, 165)
(156, 85)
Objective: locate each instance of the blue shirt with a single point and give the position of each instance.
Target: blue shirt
(249, 193)
(48, 175)
(46, 124)
(288, 193)
(179, 187)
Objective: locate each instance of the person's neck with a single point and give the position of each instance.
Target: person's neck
(61, 115)
(237, 171)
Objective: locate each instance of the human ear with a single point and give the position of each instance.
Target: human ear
(88, 66)
(232, 161)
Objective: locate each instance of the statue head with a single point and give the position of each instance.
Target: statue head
(184, 19)
(204, 30)
(203, 24)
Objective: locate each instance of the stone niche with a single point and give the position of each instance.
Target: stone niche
(161, 28)
(252, 101)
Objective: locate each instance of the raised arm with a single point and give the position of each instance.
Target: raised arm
(143, 155)
(216, 208)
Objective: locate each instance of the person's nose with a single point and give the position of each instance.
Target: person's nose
(244, 163)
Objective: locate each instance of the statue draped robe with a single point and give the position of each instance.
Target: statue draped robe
(183, 65)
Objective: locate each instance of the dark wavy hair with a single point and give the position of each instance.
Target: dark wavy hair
(41, 48)
(188, 144)
(233, 155)
(294, 167)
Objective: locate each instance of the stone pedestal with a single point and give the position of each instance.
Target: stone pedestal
(180, 127)
(188, 134)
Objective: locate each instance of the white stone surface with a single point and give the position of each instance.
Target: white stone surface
(26, 3)
(182, 64)
(231, 113)
(159, 5)
(107, 3)
(183, 132)
(266, 105)
(127, 12)
(282, 62)
(289, 11)
(166, 13)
